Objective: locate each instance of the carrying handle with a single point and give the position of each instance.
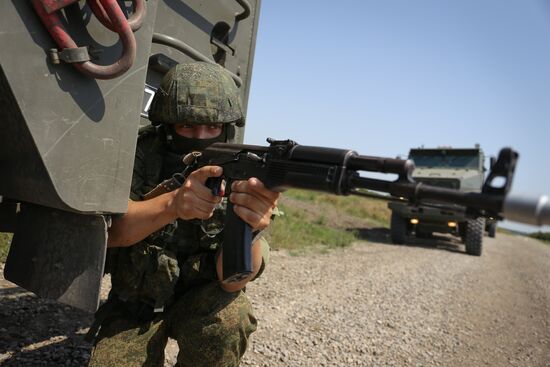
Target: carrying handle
(135, 20)
(246, 11)
(64, 41)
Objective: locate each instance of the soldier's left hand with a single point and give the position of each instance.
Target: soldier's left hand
(253, 202)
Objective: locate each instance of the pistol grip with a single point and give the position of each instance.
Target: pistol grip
(215, 185)
(237, 247)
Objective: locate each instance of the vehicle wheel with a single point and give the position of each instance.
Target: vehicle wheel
(492, 230)
(398, 229)
(474, 236)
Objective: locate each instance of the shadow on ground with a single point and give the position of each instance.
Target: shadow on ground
(39, 332)
(436, 242)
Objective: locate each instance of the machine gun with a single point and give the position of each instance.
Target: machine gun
(285, 164)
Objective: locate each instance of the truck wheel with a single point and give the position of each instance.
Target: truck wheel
(492, 230)
(398, 229)
(474, 236)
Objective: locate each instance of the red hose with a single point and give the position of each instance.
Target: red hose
(54, 5)
(63, 40)
(134, 20)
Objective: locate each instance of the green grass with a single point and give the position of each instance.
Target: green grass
(356, 206)
(542, 236)
(298, 230)
(5, 239)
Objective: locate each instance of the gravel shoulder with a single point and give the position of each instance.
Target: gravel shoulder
(429, 304)
(372, 304)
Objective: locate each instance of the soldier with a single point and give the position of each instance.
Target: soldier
(164, 253)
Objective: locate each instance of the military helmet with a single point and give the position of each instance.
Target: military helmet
(197, 93)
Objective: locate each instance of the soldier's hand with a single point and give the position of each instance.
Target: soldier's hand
(253, 202)
(194, 200)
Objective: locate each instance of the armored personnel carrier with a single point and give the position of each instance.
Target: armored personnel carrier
(76, 78)
(459, 169)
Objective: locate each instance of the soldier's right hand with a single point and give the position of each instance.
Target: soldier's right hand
(194, 200)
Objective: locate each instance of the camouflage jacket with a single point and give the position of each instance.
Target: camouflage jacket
(178, 256)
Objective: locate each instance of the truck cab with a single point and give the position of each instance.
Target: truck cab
(454, 168)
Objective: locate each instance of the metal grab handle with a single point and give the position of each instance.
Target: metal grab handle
(135, 20)
(54, 5)
(163, 39)
(64, 41)
(245, 13)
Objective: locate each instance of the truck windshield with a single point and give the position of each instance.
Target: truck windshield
(446, 160)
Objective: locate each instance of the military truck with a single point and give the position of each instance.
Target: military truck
(455, 168)
(76, 79)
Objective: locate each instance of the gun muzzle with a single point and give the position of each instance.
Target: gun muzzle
(528, 210)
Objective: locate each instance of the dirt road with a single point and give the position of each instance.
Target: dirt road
(427, 304)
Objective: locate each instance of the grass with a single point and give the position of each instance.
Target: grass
(361, 207)
(541, 236)
(5, 239)
(298, 230)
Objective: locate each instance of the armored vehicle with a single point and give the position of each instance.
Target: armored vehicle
(459, 169)
(76, 80)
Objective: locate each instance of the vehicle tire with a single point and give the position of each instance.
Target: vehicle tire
(398, 229)
(492, 230)
(474, 236)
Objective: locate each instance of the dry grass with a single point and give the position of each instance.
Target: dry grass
(5, 240)
(323, 221)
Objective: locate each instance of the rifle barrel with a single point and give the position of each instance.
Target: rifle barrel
(402, 167)
(528, 210)
(416, 191)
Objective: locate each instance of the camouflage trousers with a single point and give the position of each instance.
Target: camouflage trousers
(211, 328)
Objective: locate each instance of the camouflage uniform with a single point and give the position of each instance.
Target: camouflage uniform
(174, 269)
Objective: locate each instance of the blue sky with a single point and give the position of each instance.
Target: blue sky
(381, 77)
